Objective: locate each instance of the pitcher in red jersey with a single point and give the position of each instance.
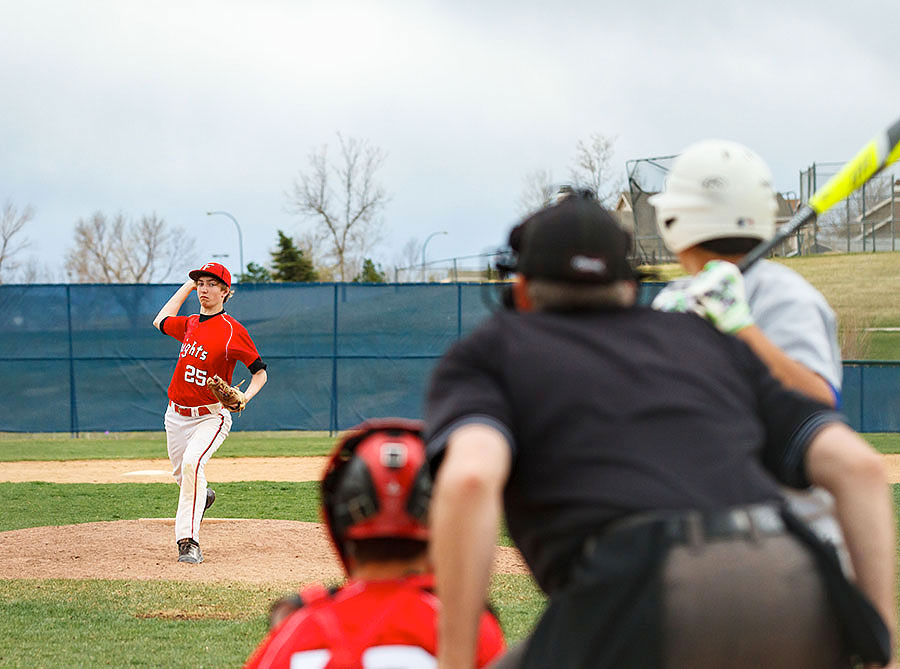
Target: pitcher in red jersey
(212, 342)
(375, 495)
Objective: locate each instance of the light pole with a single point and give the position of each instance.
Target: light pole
(425, 246)
(240, 237)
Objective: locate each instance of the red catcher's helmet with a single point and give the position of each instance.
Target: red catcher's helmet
(377, 484)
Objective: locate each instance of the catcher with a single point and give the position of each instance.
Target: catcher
(201, 398)
(375, 496)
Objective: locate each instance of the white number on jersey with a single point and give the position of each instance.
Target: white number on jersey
(194, 375)
(379, 657)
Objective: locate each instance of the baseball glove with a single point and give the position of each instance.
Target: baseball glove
(231, 397)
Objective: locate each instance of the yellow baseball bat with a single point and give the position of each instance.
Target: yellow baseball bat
(883, 150)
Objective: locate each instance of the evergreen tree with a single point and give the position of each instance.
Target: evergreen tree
(290, 263)
(255, 274)
(370, 273)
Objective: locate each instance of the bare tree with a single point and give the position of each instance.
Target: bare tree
(537, 191)
(307, 242)
(33, 271)
(344, 200)
(410, 252)
(127, 251)
(12, 222)
(592, 168)
(408, 259)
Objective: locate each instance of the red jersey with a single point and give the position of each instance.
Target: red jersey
(209, 347)
(368, 625)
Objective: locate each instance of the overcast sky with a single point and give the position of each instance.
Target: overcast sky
(189, 106)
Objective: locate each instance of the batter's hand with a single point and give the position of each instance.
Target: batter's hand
(718, 295)
(674, 299)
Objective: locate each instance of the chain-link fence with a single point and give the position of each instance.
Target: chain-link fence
(449, 270)
(865, 221)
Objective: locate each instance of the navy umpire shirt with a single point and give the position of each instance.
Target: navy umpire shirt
(619, 411)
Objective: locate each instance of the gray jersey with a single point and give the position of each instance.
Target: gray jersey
(794, 316)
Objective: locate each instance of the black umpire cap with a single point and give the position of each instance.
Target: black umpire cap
(576, 241)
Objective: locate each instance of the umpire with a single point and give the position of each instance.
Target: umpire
(637, 456)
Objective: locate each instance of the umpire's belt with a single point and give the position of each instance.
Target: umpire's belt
(694, 527)
(195, 412)
(739, 522)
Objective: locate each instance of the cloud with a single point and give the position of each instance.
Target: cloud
(180, 108)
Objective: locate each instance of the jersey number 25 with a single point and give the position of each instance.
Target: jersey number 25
(194, 375)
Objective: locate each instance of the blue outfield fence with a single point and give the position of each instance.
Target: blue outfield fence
(86, 358)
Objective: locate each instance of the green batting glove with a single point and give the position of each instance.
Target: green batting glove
(673, 299)
(718, 294)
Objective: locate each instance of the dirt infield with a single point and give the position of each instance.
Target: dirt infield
(218, 469)
(160, 471)
(255, 551)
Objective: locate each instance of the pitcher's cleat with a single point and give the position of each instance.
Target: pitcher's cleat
(189, 551)
(210, 498)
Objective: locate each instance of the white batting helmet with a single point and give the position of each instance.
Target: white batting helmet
(716, 189)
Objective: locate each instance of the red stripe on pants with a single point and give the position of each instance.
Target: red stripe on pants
(197, 470)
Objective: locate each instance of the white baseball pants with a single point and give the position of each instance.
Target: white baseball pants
(192, 442)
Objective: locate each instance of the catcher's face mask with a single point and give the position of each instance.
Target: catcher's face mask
(377, 484)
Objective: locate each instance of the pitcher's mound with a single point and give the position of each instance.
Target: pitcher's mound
(256, 551)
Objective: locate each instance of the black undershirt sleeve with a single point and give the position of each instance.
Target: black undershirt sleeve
(792, 456)
(257, 366)
(162, 325)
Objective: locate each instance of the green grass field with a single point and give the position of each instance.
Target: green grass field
(89, 623)
(16, 447)
(121, 445)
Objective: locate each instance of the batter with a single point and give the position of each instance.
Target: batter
(719, 204)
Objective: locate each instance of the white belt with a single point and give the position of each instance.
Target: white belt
(195, 412)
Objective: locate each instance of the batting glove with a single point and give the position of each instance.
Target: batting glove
(673, 299)
(718, 295)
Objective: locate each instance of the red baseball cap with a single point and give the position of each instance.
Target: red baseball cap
(213, 269)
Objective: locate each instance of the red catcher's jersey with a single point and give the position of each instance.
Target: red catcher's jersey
(208, 348)
(368, 625)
